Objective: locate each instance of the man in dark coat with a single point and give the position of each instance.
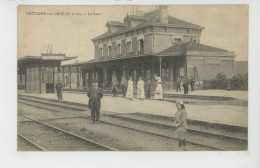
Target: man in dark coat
(186, 86)
(178, 85)
(114, 84)
(95, 94)
(124, 85)
(192, 82)
(148, 88)
(58, 88)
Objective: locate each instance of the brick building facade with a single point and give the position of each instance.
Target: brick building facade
(149, 44)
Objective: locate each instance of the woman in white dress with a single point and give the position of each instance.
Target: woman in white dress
(140, 89)
(158, 95)
(130, 89)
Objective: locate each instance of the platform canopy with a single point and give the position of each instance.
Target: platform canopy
(44, 57)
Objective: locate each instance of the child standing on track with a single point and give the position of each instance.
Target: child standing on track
(180, 123)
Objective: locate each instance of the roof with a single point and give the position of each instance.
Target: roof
(190, 46)
(142, 17)
(150, 18)
(27, 59)
(107, 60)
(116, 23)
(182, 23)
(178, 49)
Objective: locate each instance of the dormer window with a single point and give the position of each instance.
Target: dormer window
(113, 26)
(177, 39)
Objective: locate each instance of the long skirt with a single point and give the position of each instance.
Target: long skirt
(140, 93)
(180, 133)
(129, 93)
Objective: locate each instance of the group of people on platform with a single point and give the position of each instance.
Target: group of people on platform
(143, 89)
(95, 95)
(186, 83)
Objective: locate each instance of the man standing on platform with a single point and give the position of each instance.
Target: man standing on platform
(192, 82)
(95, 94)
(186, 86)
(124, 85)
(178, 85)
(58, 88)
(114, 84)
(148, 88)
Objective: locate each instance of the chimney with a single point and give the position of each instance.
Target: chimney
(163, 13)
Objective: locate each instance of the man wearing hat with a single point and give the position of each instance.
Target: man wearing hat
(58, 88)
(95, 94)
(192, 82)
(186, 86)
(114, 84)
(148, 88)
(124, 85)
(178, 85)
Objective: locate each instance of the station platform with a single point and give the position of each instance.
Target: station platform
(223, 114)
(206, 94)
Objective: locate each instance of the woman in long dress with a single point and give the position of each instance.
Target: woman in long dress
(140, 89)
(158, 95)
(180, 123)
(130, 89)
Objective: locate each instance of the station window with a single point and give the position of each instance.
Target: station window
(118, 49)
(109, 50)
(141, 46)
(101, 51)
(129, 47)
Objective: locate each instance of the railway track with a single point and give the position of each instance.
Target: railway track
(94, 145)
(210, 139)
(30, 142)
(212, 136)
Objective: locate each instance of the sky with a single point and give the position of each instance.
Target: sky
(226, 27)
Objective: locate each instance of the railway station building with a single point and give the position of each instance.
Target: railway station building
(39, 74)
(147, 45)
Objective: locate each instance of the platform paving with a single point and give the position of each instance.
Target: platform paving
(225, 114)
(197, 94)
(238, 94)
